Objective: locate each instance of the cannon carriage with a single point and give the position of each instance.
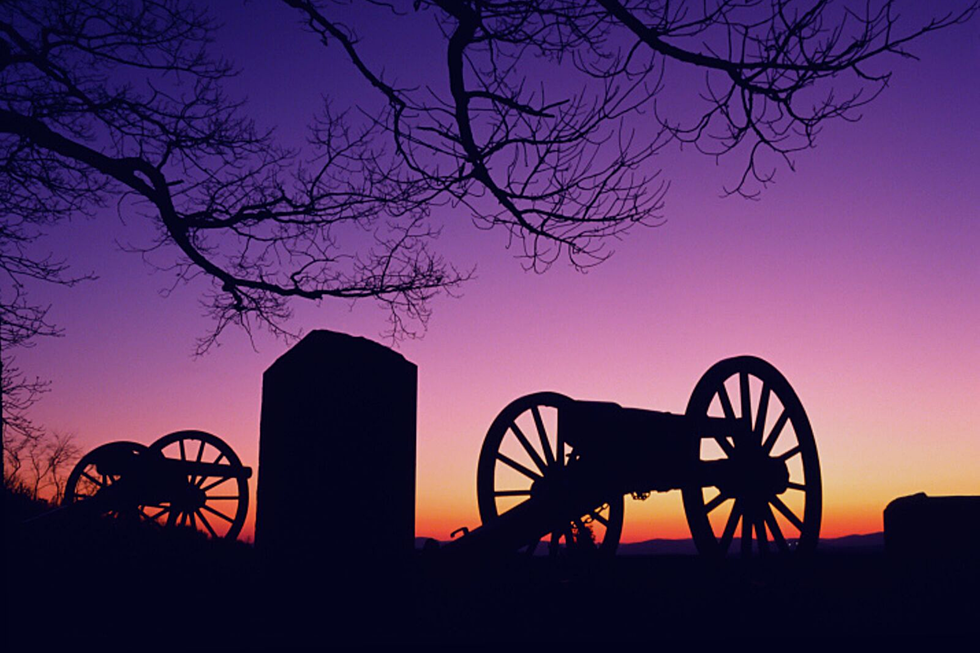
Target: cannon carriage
(556, 470)
(189, 479)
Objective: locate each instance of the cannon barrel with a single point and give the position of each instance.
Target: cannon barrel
(663, 447)
(583, 423)
(192, 468)
(121, 462)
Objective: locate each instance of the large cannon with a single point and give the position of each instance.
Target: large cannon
(556, 469)
(187, 479)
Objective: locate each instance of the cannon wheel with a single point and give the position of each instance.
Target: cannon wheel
(523, 444)
(763, 521)
(225, 497)
(90, 475)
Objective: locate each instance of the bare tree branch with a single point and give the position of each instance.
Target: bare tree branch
(122, 101)
(776, 71)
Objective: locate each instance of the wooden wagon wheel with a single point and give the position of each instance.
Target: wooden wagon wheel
(764, 519)
(99, 470)
(218, 502)
(524, 445)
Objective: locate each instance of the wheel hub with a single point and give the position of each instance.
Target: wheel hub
(755, 474)
(192, 498)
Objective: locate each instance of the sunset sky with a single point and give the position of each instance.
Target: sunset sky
(857, 276)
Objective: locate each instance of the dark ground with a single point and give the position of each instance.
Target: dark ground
(111, 586)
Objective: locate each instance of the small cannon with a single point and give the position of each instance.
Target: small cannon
(743, 456)
(185, 479)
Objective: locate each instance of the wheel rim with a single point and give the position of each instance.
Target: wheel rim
(223, 499)
(753, 520)
(522, 445)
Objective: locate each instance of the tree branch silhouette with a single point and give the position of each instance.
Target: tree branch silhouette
(122, 102)
(562, 163)
(775, 72)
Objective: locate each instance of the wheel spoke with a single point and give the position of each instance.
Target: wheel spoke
(789, 454)
(542, 435)
(796, 486)
(746, 534)
(760, 534)
(745, 396)
(787, 513)
(726, 406)
(517, 467)
(206, 523)
(777, 533)
(760, 418)
(553, 543)
(599, 518)
(497, 493)
(219, 514)
(585, 536)
(531, 547)
(730, 526)
(216, 483)
(717, 501)
(165, 510)
(569, 537)
(725, 445)
(776, 430)
(726, 402)
(527, 447)
(183, 454)
(200, 453)
(92, 478)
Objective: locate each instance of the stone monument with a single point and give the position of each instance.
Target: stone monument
(336, 481)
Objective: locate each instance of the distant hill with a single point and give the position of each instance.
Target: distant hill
(855, 543)
(850, 543)
(657, 546)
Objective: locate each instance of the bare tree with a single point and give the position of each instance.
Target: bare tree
(563, 167)
(39, 465)
(776, 70)
(121, 102)
(20, 324)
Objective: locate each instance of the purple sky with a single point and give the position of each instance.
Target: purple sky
(857, 276)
